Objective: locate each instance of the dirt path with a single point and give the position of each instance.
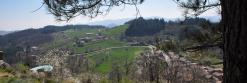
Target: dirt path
(5, 74)
(101, 50)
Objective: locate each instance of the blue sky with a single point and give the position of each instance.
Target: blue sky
(18, 15)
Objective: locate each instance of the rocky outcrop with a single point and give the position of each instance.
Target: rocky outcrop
(65, 64)
(213, 74)
(4, 64)
(177, 69)
(57, 59)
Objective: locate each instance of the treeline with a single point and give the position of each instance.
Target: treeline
(143, 27)
(195, 21)
(149, 27)
(52, 29)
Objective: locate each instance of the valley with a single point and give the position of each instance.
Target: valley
(135, 52)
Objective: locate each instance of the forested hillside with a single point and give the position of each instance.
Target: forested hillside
(144, 27)
(25, 39)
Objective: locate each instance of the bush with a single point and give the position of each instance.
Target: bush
(204, 57)
(20, 80)
(21, 67)
(105, 80)
(169, 45)
(9, 70)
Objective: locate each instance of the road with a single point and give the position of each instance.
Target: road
(102, 50)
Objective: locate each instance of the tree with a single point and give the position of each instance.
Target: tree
(115, 75)
(234, 18)
(144, 27)
(233, 21)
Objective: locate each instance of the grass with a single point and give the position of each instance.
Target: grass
(81, 32)
(94, 46)
(8, 70)
(19, 80)
(105, 60)
(205, 58)
(102, 53)
(117, 31)
(66, 39)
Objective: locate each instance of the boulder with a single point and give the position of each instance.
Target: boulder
(4, 64)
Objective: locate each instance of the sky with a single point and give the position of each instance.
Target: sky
(19, 15)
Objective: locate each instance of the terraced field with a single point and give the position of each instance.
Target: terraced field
(104, 53)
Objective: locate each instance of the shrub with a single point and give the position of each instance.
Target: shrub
(21, 67)
(9, 70)
(169, 45)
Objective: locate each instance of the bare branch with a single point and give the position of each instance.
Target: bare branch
(196, 7)
(201, 47)
(38, 8)
(65, 10)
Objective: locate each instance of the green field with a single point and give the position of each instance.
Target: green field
(104, 53)
(116, 56)
(66, 39)
(97, 46)
(117, 31)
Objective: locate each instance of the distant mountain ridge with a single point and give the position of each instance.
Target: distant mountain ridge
(117, 22)
(110, 23)
(5, 32)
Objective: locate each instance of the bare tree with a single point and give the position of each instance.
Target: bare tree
(115, 75)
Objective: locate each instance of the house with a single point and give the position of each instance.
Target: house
(34, 48)
(86, 39)
(89, 33)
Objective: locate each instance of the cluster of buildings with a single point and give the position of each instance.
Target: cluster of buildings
(90, 37)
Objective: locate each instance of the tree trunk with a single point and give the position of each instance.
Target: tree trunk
(234, 19)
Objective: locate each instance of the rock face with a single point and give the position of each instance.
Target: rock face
(2, 63)
(65, 64)
(176, 69)
(56, 58)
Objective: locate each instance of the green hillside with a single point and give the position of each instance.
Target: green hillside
(117, 31)
(90, 54)
(67, 38)
(103, 53)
